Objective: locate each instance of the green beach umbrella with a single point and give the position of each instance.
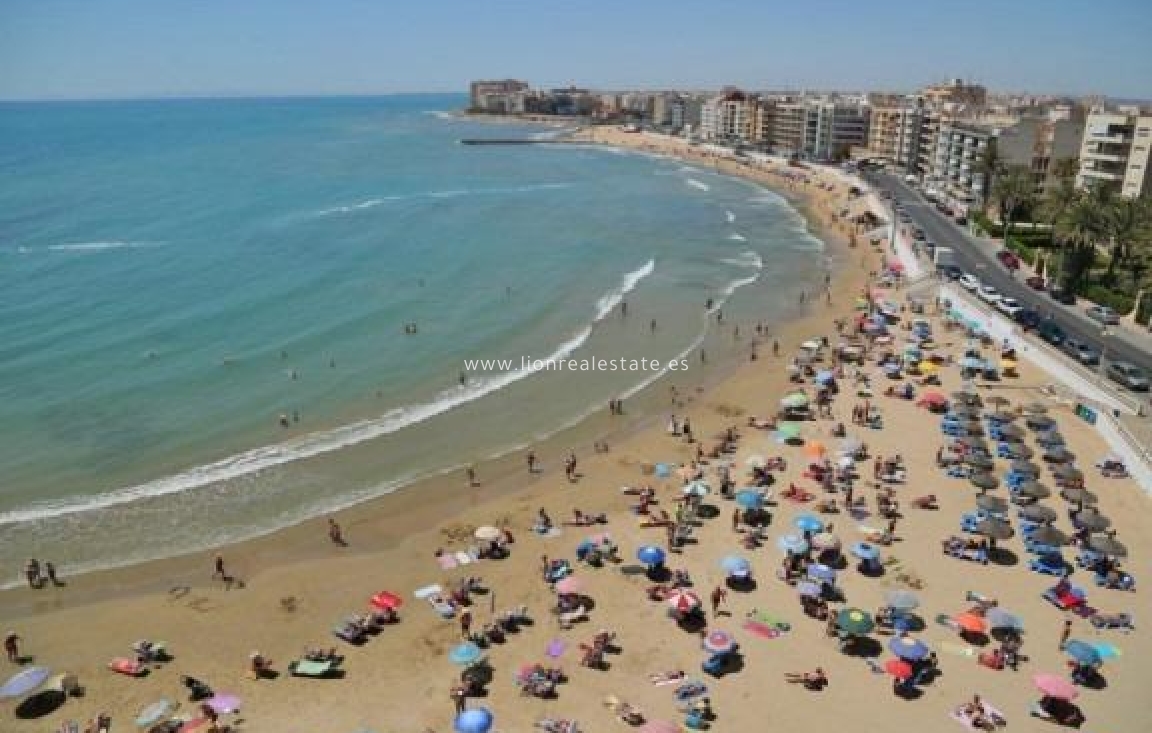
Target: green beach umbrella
(795, 400)
(854, 621)
(788, 431)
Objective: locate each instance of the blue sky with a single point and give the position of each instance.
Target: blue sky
(129, 48)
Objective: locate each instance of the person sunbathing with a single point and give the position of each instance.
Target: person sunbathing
(814, 680)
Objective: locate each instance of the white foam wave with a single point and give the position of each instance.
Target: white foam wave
(737, 237)
(440, 114)
(101, 246)
(610, 300)
(731, 216)
(448, 194)
(697, 184)
(307, 446)
(746, 259)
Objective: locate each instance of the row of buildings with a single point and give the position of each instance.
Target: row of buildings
(941, 134)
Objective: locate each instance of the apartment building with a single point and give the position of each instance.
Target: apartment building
(814, 127)
(1039, 143)
(955, 170)
(505, 96)
(894, 132)
(1114, 151)
(728, 117)
(955, 93)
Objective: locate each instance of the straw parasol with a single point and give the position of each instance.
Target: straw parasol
(1049, 535)
(1107, 545)
(993, 504)
(1033, 490)
(1038, 513)
(995, 529)
(1092, 520)
(984, 481)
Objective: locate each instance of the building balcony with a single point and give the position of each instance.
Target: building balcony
(1104, 137)
(1101, 175)
(1112, 157)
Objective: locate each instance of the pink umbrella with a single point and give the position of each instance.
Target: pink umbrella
(683, 600)
(224, 703)
(1056, 687)
(569, 585)
(659, 726)
(719, 642)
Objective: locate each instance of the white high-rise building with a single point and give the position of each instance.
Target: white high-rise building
(1115, 151)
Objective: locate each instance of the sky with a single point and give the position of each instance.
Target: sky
(53, 49)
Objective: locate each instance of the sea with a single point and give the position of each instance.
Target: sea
(221, 317)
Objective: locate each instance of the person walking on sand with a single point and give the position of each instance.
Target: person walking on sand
(570, 467)
(50, 573)
(531, 458)
(32, 572)
(12, 647)
(459, 698)
(719, 598)
(1065, 632)
(465, 623)
(335, 533)
(219, 572)
(736, 520)
(470, 472)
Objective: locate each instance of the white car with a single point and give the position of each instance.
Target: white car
(1009, 306)
(988, 294)
(969, 283)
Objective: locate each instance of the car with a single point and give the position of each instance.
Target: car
(1061, 295)
(951, 272)
(1103, 314)
(1008, 259)
(961, 220)
(1128, 375)
(918, 235)
(989, 294)
(1009, 306)
(1080, 351)
(910, 178)
(1028, 319)
(968, 282)
(1051, 332)
(904, 217)
(1036, 282)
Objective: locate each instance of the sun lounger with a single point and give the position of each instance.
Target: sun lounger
(309, 668)
(1112, 621)
(1049, 564)
(557, 725)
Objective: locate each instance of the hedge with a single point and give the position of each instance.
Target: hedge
(1101, 295)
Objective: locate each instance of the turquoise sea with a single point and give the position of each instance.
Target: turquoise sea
(177, 275)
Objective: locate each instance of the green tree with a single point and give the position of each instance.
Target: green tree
(1081, 229)
(1058, 199)
(1128, 222)
(1014, 189)
(991, 164)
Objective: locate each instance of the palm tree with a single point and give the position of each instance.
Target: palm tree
(1128, 223)
(1082, 227)
(1014, 188)
(1058, 199)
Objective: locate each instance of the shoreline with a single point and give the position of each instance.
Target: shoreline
(499, 475)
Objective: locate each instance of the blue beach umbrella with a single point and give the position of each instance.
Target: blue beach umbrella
(749, 499)
(821, 572)
(22, 683)
(650, 555)
(808, 523)
(808, 589)
(998, 618)
(736, 565)
(825, 377)
(971, 362)
(465, 654)
(865, 551)
(1081, 652)
(793, 544)
(696, 488)
(908, 648)
(902, 600)
(476, 720)
(663, 470)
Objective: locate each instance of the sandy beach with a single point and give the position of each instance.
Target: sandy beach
(297, 585)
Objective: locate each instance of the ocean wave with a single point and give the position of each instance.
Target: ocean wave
(697, 184)
(307, 446)
(610, 300)
(447, 194)
(440, 114)
(731, 216)
(737, 237)
(98, 246)
(746, 259)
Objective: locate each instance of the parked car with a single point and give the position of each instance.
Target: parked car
(989, 294)
(1009, 306)
(1036, 282)
(918, 235)
(1103, 314)
(1129, 375)
(1008, 259)
(1061, 295)
(1028, 319)
(1080, 351)
(1051, 332)
(951, 272)
(969, 283)
(961, 220)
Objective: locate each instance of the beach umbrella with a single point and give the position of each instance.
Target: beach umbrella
(24, 682)
(898, 668)
(465, 654)
(1035, 408)
(736, 565)
(1078, 496)
(970, 398)
(809, 589)
(865, 551)
(846, 462)
(663, 470)
(756, 461)
(1050, 438)
(1107, 545)
(719, 642)
(814, 449)
(475, 720)
(749, 499)
(998, 618)
(932, 397)
(154, 713)
(907, 647)
(808, 523)
(488, 533)
(854, 621)
(821, 572)
(793, 544)
(929, 367)
(1060, 454)
(902, 600)
(1049, 535)
(995, 529)
(683, 600)
(1040, 422)
(650, 555)
(979, 462)
(1067, 472)
(795, 401)
(569, 586)
(971, 622)
(1033, 490)
(984, 481)
(788, 431)
(1081, 652)
(1092, 520)
(1054, 686)
(1038, 513)
(224, 703)
(810, 345)
(1106, 650)
(696, 488)
(825, 377)
(992, 504)
(971, 362)
(1021, 466)
(386, 599)
(825, 541)
(659, 726)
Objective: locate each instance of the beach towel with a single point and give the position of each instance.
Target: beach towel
(427, 591)
(662, 679)
(446, 561)
(990, 712)
(769, 620)
(764, 631)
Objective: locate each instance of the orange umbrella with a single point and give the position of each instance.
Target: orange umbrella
(971, 623)
(814, 449)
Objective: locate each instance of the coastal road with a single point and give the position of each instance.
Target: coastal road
(978, 259)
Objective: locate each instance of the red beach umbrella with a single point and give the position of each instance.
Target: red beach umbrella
(385, 600)
(971, 623)
(898, 668)
(684, 600)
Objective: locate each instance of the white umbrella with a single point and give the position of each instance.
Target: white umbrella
(487, 534)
